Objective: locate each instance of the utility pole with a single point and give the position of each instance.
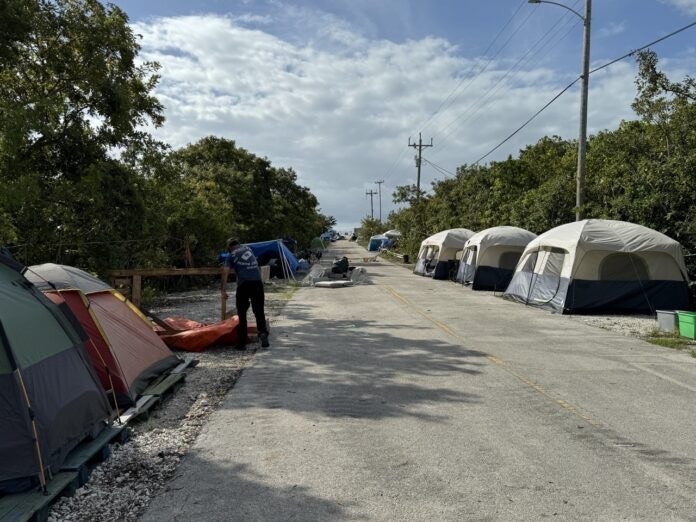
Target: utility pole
(582, 138)
(372, 208)
(419, 158)
(379, 188)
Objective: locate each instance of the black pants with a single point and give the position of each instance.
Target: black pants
(250, 291)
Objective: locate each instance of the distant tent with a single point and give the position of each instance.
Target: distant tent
(50, 398)
(317, 245)
(377, 242)
(599, 265)
(392, 234)
(438, 253)
(489, 257)
(124, 349)
(276, 254)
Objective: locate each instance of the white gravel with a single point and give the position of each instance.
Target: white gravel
(122, 486)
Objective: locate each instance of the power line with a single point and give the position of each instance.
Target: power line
(471, 70)
(627, 55)
(439, 168)
(391, 170)
(474, 107)
(634, 51)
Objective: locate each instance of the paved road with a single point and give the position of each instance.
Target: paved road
(413, 399)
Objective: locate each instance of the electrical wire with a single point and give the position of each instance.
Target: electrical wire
(483, 69)
(390, 172)
(539, 45)
(627, 55)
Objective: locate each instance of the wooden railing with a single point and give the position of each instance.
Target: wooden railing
(134, 278)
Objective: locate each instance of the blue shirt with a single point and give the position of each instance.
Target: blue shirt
(244, 263)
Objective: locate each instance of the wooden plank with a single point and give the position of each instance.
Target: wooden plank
(33, 504)
(160, 272)
(143, 404)
(185, 364)
(136, 289)
(86, 451)
(165, 385)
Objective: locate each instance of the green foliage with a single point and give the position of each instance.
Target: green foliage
(84, 185)
(642, 172)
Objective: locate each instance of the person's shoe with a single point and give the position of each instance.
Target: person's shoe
(264, 339)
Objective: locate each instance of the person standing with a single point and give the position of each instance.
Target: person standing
(249, 290)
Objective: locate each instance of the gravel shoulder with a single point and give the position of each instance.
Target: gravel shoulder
(122, 487)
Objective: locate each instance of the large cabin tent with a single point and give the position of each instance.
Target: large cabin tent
(438, 252)
(489, 257)
(50, 398)
(124, 349)
(598, 265)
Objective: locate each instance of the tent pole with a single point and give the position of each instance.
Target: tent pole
(30, 412)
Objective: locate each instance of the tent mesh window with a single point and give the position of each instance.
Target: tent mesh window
(530, 262)
(548, 281)
(508, 260)
(623, 267)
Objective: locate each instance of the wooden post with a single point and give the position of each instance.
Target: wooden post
(136, 290)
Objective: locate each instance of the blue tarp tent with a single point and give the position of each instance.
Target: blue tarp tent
(267, 251)
(377, 242)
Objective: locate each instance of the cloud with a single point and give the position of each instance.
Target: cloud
(339, 107)
(612, 29)
(687, 6)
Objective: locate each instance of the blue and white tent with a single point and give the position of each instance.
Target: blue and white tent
(377, 242)
(438, 253)
(600, 265)
(490, 256)
(276, 254)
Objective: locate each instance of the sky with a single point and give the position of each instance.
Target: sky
(337, 89)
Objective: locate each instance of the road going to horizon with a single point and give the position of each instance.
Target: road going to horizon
(414, 399)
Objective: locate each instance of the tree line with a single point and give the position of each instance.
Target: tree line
(84, 184)
(643, 172)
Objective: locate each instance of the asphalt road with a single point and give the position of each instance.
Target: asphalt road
(414, 399)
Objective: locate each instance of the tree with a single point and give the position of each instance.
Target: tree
(71, 96)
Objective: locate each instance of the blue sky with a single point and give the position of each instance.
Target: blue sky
(334, 89)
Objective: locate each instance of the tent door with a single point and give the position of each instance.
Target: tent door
(547, 276)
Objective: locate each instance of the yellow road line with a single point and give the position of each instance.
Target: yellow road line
(501, 363)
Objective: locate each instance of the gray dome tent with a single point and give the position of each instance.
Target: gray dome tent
(51, 398)
(600, 265)
(438, 252)
(490, 256)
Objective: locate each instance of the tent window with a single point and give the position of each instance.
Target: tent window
(623, 267)
(529, 262)
(508, 260)
(545, 285)
(470, 258)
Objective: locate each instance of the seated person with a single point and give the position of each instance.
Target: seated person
(340, 266)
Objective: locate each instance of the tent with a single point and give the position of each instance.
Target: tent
(490, 256)
(317, 245)
(50, 398)
(377, 242)
(598, 265)
(438, 253)
(283, 263)
(392, 234)
(124, 349)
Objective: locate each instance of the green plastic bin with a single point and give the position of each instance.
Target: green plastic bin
(687, 323)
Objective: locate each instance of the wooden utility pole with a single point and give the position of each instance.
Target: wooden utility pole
(372, 208)
(419, 158)
(379, 189)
